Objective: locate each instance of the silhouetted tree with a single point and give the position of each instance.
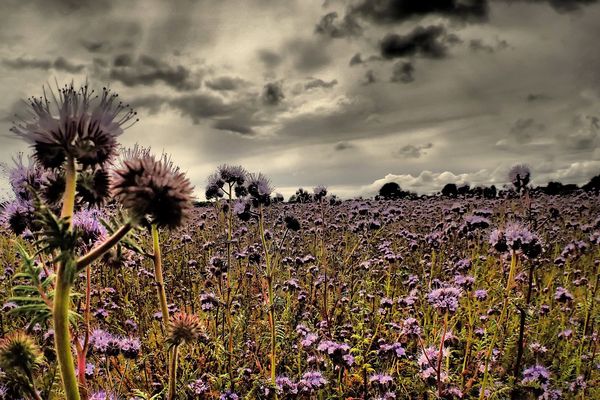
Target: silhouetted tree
(450, 190)
(593, 185)
(490, 192)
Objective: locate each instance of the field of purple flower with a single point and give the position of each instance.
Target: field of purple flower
(114, 286)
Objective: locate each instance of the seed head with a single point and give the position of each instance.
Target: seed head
(183, 328)
(19, 351)
(152, 188)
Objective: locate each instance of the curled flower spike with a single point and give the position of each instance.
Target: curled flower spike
(75, 123)
(153, 188)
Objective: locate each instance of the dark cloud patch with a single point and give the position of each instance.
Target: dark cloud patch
(225, 83)
(355, 60)
(370, 77)
(269, 58)
(147, 71)
(59, 64)
(403, 72)
(537, 97)
(96, 46)
(328, 26)
(523, 129)
(66, 7)
(478, 45)
(341, 146)
(308, 55)
(422, 41)
(272, 94)
(320, 83)
(200, 106)
(390, 11)
(233, 126)
(565, 6)
(412, 151)
(236, 116)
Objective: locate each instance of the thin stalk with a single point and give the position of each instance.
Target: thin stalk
(60, 313)
(522, 324)
(271, 305)
(158, 276)
(511, 272)
(440, 355)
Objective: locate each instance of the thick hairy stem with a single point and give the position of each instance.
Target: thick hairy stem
(158, 276)
(173, 373)
(60, 313)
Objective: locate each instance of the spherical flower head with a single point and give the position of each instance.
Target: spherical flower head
(102, 395)
(16, 216)
(444, 299)
(130, 347)
(292, 223)
(199, 387)
(519, 175)
(562, 295)
(87, 224)
(232, 174)
(214, 187)
(312, 381)
(498, 241)
(75, 123)
(480, 294)
(153, 188)
(25, 177)
(320, 192)
(19, 351)
(259, 187)
(537, 374)
(381, 380)
(521, 239)
(183, 328)
(285, 386)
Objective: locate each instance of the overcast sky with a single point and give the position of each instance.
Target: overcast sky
(349, 94)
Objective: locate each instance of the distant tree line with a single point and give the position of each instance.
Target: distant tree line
(393, 191)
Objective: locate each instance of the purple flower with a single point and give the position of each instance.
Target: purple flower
(444, 299)
(198, 387)
(480, 294)
(77, 123)
(285, 386)
(229, 395)
(562, 295)
(312, 381)
(381, 380)
(394, 349)
(536, 374)
(411, 328)
(130, 347)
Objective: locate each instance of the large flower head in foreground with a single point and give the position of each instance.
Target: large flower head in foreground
(75, 123)
(153, 188)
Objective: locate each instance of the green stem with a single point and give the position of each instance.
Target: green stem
(99, 250)
(158, 276)
(173, 373)
(511, 273)
(60, 312)
(269, 274)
